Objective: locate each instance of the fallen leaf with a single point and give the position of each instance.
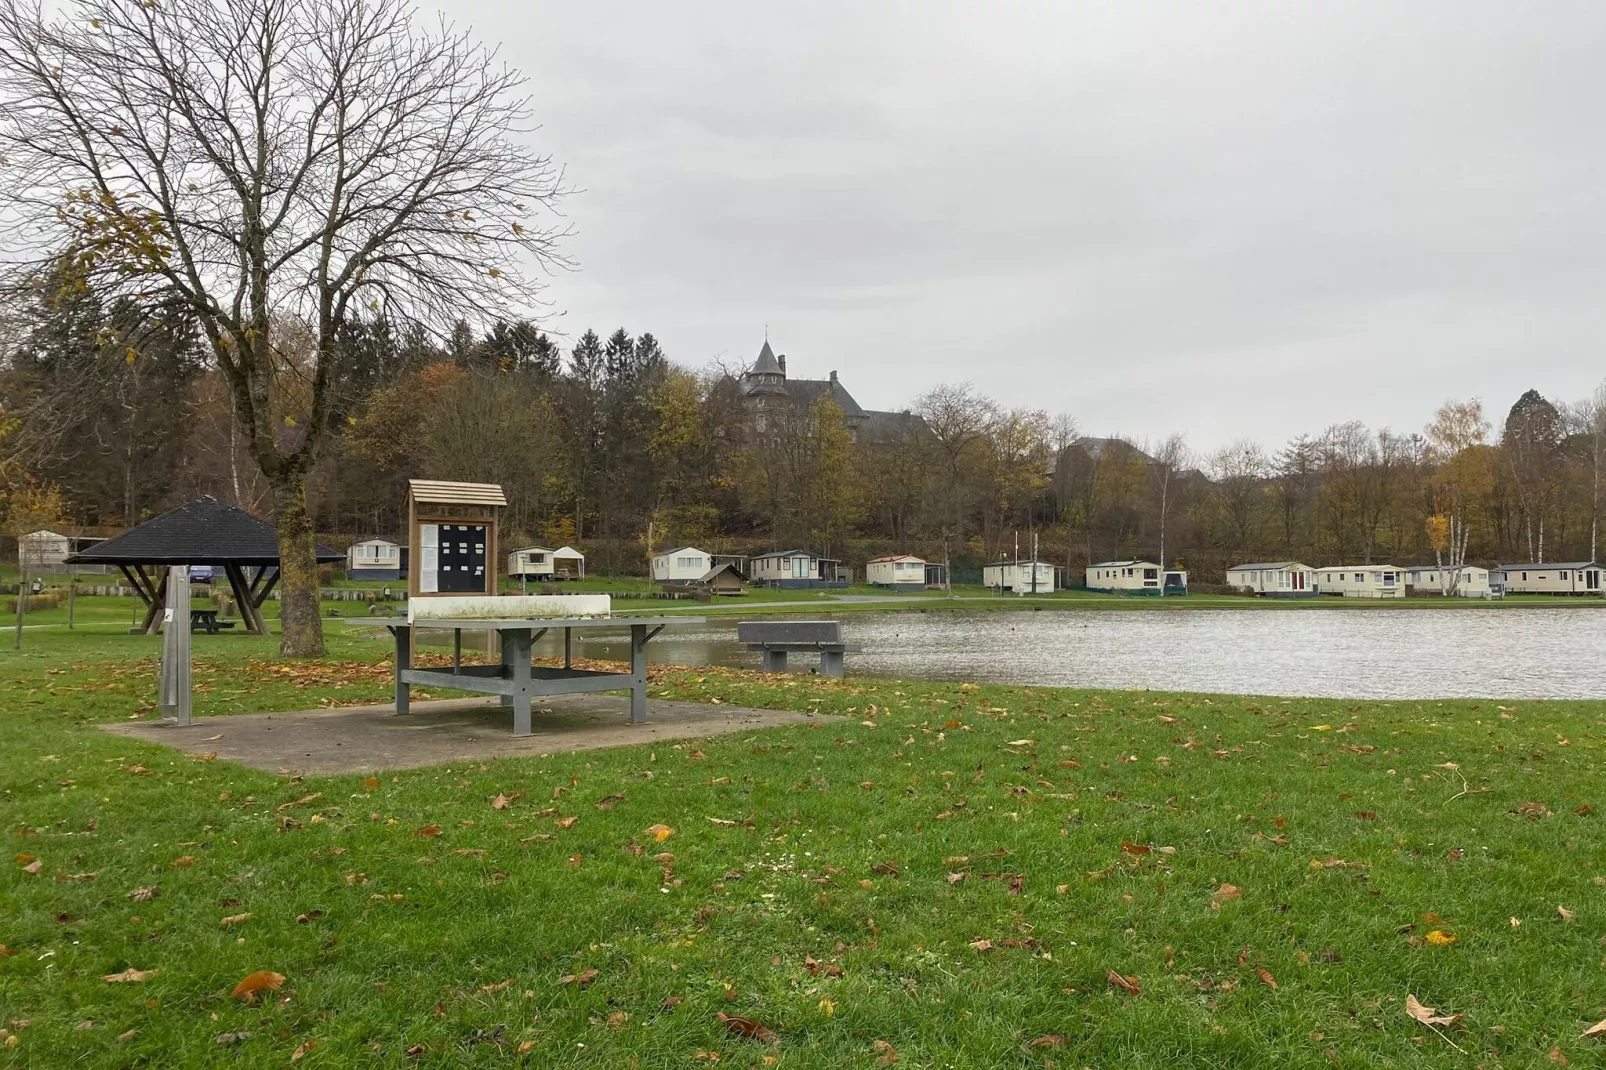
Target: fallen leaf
(1557, 1056)
(235, 919)
(660, 833)
(607, 802)
(1564, 914)
(124, 1038)
(302, 1049)
(1226, 893)
(1265, 977)
(427, 832)
(955, 878)
(499, 802)
(225, 1039)
(259, 981)
(886, 869)
(1135, 848)
(1129, 985)
(818, 968)
(1048, 1040)
(747, 1028)
(582, 979)
(209, 756)
(886, 1054)
(127, 975)
(980, 945)
(303, 801)
(371, 783)
(1440, 938)
(1429, 1015)
(34, 867)
(500, 986)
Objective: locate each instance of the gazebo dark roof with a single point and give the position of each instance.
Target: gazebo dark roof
(204, 532)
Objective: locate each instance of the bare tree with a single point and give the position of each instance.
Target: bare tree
(1170, 458)
(262, 161)
(958, 418)
(1240, 471)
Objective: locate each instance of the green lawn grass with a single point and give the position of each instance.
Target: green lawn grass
(1075, 832)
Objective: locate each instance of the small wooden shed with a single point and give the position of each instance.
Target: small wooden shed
(452, 532)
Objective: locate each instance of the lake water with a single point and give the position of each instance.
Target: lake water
(1343, 653)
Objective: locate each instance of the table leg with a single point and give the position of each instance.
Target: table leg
(404, 660)
(520, 643)
(774, 660)
(568, 648)
(638, 673)
(831, 664)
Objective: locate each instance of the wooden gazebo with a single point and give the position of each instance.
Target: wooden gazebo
(204, 532)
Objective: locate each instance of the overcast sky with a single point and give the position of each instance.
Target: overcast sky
(1224, 219)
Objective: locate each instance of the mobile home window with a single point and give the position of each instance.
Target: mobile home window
(1150, 573)
(1563, 575)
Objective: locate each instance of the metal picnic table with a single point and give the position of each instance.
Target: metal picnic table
(516, 678)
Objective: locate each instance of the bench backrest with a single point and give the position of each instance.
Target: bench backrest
(789, 631)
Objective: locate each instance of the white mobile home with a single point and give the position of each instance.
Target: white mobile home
(1461, 581)
(43, 549)
(530, 563)
(1274, 579)
(1019, 577)
(1136, 577)
(374, 558)
(1563, 577)
(1361, 581)
(684, 565)
(900, 570)
(795, 568)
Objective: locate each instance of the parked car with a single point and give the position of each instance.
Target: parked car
(200, 573)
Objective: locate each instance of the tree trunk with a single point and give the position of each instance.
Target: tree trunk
(301, 626)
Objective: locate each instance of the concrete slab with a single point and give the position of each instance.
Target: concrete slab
(372, 739)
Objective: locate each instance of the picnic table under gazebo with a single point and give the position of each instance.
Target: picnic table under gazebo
(204, 532)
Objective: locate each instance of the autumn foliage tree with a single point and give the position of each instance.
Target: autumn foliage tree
(276, 168)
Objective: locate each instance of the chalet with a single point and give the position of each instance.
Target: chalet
(43, 549)
(530, 563)
(1019, 577)
(1556, 577)
(684, 565)
(1361, 581)
(1461, 581)
(1274, 579)
(374, 558)
(568, 564)
(1136, 577)
(796, 568)
(900, 570)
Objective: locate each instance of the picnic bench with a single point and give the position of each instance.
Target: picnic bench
(205, 620)
(778, 638)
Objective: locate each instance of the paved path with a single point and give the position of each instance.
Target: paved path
(372, 739)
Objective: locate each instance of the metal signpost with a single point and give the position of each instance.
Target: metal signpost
(173, 692)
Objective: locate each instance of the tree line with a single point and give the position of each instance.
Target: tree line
(609, 444)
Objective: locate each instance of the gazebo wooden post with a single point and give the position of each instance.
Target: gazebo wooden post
(153, 615)
(243, 597)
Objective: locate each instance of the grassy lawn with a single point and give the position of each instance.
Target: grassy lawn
(946, 872)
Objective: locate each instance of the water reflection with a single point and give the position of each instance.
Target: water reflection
(1352, 653)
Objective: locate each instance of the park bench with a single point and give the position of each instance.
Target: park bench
(205, 620)
(778, 638)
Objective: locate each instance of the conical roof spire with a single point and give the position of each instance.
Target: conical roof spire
(766, 363)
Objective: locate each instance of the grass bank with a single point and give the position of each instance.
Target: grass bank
(948, 873)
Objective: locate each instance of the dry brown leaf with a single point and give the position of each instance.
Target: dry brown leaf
(747, 1028)
(500, 986)
(1048, 1040)
(1226, 893)
(34, 867)
(303, 801)
(1130, 985)
(428, 832)
(981, 945)
(566, 822)
(955, 878)
(886, 869)
(607, 802)
(499, 802)
(818, 968)
(259, 981)
(1429, 1015)
(371, 783)
(235, 919)
(886, 1054)
(302, 1049)
(660, 833)
(582, 979)
(1564, 914)
(1557, 1056)
(1265, 977)
(1135, 848)
(127, 975)
(184, 861)
(1596, 1031)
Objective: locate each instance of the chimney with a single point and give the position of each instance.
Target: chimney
(781, 360)
(833, 380)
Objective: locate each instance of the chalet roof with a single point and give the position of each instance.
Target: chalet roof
(445, 492)
(529, 549)
(723, 566)
(896, 557)
(375, 538)
(1264, 565)
(1361, 568)
(785, 553)
(44, 533)
(1551, 564)
(681, 550)
(568, 553)
(204, 532)
(1123, 564)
